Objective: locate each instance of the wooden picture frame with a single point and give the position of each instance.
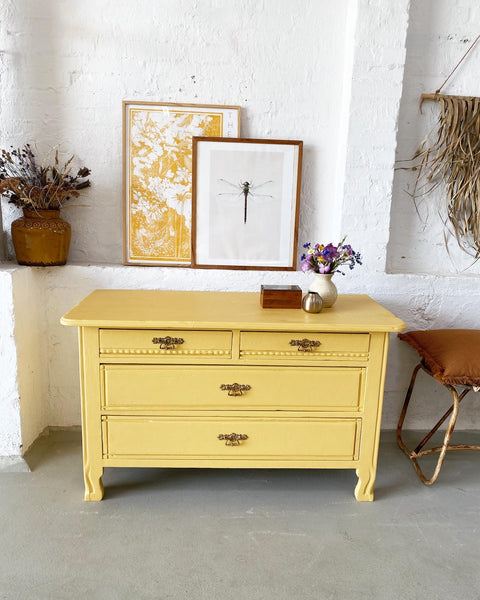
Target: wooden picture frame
(246, 200)
(157, 176)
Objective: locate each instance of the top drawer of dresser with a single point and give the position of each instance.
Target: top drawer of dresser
(303, 346)
(173, 345)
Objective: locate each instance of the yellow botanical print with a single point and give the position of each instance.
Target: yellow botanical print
(159, 187)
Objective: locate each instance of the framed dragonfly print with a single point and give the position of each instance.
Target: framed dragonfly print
(246, 196)
(157, 176)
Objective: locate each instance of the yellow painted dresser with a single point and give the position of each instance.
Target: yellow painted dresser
(210, 379)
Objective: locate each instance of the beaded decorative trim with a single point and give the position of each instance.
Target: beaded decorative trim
(156, 351)
(304, 356)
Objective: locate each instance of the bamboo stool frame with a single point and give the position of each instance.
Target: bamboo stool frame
(452, 412)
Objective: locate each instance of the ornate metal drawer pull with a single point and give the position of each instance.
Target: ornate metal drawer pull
(167, 343)
(235, 389)
(305, 345)
(232, 439)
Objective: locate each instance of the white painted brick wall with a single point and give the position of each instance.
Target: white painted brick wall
(329, 73)
(439, 34)
(24, 352)
(33, 349)
(10, 425)
(74, 62)
(375, 96)
(65, 68)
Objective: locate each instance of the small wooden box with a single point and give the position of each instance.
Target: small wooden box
(280, 296)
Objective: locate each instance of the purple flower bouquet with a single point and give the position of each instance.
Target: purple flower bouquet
(328, 259)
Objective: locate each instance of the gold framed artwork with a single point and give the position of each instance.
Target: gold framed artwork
(157, 176)
(246, 198)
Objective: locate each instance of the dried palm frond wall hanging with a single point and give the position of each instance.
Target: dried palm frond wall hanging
(451, 158)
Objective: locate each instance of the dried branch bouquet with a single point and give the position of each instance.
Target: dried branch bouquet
(450, 158)
(28, 185)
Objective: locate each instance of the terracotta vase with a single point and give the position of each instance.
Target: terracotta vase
(325, 288)
(41, 238)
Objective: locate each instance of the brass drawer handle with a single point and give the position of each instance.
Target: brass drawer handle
(167, 343)
(305, 345)
(232, 439)
(235, 389)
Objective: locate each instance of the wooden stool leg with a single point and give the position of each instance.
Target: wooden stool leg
(404, 411)
(415, 454)
(446, 441)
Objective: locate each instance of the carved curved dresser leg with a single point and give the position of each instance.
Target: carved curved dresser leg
(93, 483)
(364, 487)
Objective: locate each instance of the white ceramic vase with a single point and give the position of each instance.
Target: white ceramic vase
(325, 288)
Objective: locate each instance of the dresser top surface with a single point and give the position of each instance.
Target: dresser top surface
(153, 309)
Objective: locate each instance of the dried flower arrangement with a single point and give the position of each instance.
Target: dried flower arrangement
(28, 185)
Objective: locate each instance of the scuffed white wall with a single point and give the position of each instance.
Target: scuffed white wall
(24, 354)
(72, 63)
(376, 88)
(10, 426)
(29, 101)
(376, 211)
(33, 351)
(439, 33)
(330, 73)
(65, 68)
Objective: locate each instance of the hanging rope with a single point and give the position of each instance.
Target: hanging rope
(459, 63)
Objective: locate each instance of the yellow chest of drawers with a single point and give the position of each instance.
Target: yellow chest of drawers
(207, 379)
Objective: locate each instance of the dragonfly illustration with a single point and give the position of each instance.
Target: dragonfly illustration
(247, 188)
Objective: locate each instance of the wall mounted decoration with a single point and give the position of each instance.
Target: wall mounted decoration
(157, 174)
(245, 203)
(449, 157)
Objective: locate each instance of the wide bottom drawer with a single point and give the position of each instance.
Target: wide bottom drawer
(279, 438)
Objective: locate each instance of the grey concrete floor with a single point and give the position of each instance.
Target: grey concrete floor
(238, 534)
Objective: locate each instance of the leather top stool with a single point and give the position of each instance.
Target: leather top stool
(452, 357)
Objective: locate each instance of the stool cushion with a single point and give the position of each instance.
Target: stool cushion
(452, 355)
